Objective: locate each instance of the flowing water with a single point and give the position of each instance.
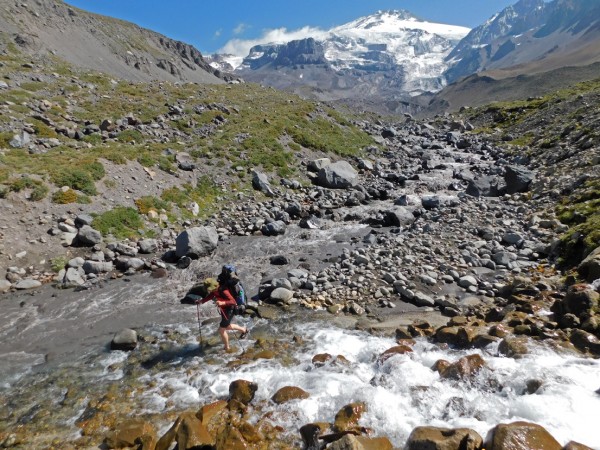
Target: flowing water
(173, 373)
(57, 374)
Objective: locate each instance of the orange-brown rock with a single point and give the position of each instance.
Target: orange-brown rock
(325, 358)
(585, 342)
(499, 330)
(126, 433)
(352, 442)
(434, 438)
(207, 412)
(242, 391)
(447, 335)
(407, 342)
(188, 432)
(397, 350)
(347, 418)
(440, 365)
(521, 436)
(231, 438)
(576, 446)
(465, 367)
(288, 393)
(513, 347)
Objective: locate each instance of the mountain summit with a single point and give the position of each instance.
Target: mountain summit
(390, 54)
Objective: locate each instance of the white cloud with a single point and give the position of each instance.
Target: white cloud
(240, 28)
(217, 34)
(241, 47)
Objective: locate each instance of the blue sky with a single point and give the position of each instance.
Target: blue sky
(211, 25)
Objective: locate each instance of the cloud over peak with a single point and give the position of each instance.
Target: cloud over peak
(241, 47)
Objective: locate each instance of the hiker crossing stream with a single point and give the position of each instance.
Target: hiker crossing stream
(169, 372)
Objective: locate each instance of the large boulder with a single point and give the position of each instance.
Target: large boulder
(339, 175)
(521, 436)
(485, 186)
(398, 217)
(88, 237)
(274, 228)
(243, 391)
(196, 242)
(589, 269)
(317, 164)
(97, 267)
(189, 433)
(260, 182)
(347, 418)
(466, 367)
(126, 434)
(289, 393)
(434, 438)
(352, 442)
(125, 339)
(518, 179)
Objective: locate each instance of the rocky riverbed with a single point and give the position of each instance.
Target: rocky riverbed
(438, 236)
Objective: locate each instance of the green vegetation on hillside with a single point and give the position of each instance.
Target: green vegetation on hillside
(226, 129)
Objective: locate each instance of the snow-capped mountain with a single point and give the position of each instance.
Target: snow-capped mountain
(548, 34)
(388, 53)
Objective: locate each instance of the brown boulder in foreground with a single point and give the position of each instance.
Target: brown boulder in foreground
(288, 393)
(433, 438)
(243, 391)
(521, 436)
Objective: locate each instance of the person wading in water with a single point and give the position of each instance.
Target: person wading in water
(227, 306)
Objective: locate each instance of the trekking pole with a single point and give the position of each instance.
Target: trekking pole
(200, 327)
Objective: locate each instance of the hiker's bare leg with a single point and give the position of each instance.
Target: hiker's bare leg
(234, 327)
(224, 336)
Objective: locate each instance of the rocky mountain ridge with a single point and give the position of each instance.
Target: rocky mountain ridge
(124, 50)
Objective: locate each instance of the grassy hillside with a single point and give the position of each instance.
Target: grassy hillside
(81, 122)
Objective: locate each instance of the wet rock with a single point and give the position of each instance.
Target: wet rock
(521, 436)
(207, 412)
(188, 432)
(196, 242)
(572, 445)
(586, 342)
(513, 347)
(323, 359)
(434, 438)
(397, 350)
(347, 418)
(352, 442)
(289, 393)
(125, 340)
(126, 434)
(242, 391)
(310, 435)
(465, 367)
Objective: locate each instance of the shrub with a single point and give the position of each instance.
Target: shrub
(64, 197)
(38, 189)
(58, 263)
(145, 204)
(130, 135)
(76, 179)
(122, 222)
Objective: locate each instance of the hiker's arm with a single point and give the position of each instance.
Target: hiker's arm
(207, 298)
(226, 299)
